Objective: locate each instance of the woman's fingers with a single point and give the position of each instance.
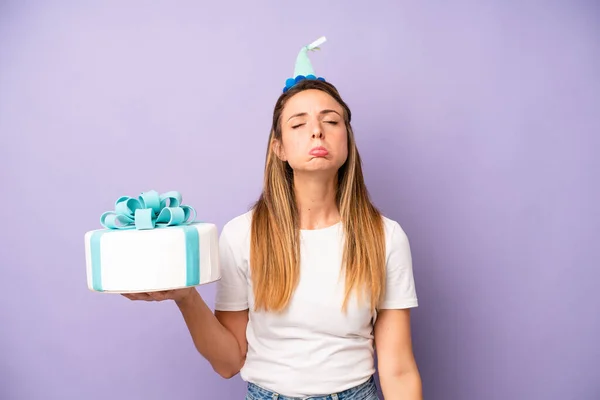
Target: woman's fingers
(138, 296)
(152, 296)
(160, 296)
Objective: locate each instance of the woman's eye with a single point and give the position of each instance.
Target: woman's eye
(327, 122)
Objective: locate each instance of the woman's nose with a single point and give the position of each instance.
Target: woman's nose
(317, 133)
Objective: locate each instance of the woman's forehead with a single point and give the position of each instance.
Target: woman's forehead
(311, 101)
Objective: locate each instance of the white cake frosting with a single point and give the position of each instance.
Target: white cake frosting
(126, 261)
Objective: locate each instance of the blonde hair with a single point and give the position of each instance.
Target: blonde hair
(275, 232)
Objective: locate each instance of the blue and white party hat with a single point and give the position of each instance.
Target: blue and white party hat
(303, 68)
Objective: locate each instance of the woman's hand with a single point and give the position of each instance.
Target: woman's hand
(178, 295)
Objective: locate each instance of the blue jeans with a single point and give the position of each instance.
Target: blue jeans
(364, 391)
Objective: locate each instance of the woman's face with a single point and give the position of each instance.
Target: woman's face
(314, 136)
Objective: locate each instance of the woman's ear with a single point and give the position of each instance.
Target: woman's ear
(278, 149)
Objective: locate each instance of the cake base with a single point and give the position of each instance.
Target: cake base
(150, 290)
(138, 261)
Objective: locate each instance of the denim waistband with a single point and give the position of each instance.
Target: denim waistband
(364, 391)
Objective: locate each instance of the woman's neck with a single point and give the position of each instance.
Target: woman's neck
(316, 201)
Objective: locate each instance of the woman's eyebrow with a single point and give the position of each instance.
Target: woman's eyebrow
(302, 114)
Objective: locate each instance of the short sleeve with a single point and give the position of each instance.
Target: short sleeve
(400, 289)
(232, 288)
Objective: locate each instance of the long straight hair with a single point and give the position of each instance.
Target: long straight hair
(275, 231)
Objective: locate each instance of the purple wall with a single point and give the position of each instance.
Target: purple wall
(479, 129)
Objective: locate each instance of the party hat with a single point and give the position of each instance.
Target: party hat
(303, 68)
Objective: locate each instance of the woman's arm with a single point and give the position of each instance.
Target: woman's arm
(398, 372)
(219, 337)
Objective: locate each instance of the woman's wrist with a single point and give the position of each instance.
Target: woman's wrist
(188, 299)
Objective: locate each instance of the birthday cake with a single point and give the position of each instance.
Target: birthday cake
(151, 243)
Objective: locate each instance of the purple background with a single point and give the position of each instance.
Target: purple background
(478, 123)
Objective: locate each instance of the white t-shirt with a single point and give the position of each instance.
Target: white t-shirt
(313, 348)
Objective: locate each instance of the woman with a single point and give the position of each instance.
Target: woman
(313, 277)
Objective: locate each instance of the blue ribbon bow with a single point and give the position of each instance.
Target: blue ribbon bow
(150, 210)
